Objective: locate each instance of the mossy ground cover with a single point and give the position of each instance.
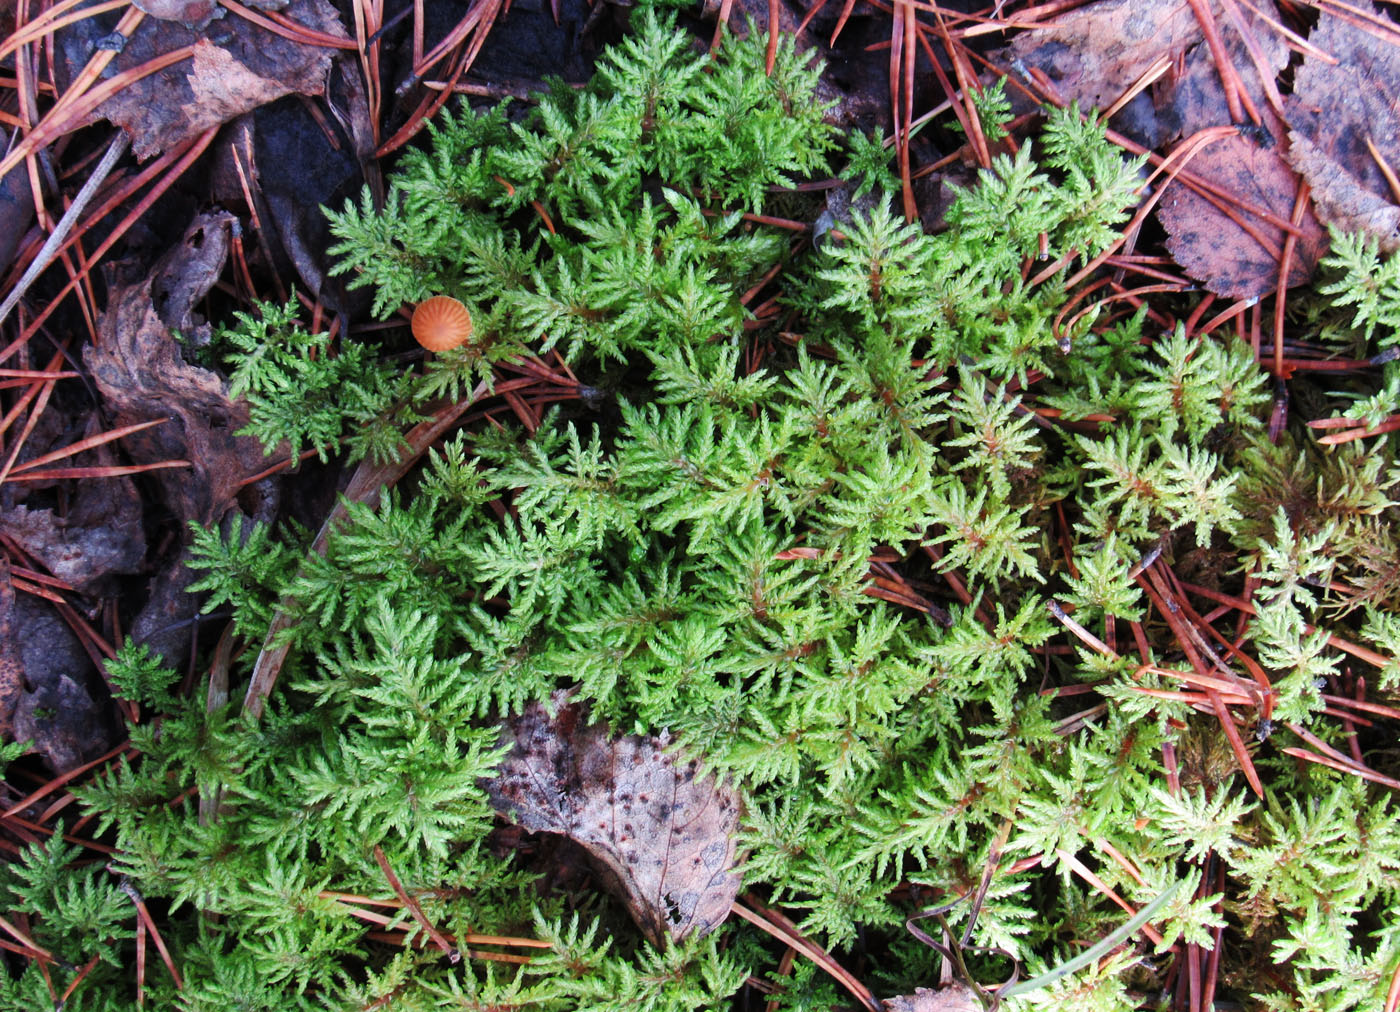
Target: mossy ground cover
(924, 552)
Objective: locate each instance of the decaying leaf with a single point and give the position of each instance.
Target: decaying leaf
(1094, 54)
(82, 547)
(1335, 110)
(662, 834)
(97, 535)
(137, 367)
(233, 69)
(11, 661)
(43, 692)
(953, 998)
(1235, 253)
(194, 14)
(188, 271)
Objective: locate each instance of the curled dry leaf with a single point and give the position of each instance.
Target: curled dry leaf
(102, 535)
(1335, 110)
(137, 367)
(661, 834)
(98, 534)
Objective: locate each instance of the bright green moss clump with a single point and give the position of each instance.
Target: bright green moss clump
(691, 551)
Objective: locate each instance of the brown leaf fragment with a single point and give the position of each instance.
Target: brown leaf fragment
(43, 684)
(661, 834)
(1234, 252)
(1240, 260)
(77, 552)
(1094, 54)
(98, 535)
(63, 721)
(188, 271)
(137, 367)
(235, 66)
(1335, 110)
(953, 998)
(194, 14)
(11, 660)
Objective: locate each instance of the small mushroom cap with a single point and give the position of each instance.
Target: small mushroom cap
(441, 322)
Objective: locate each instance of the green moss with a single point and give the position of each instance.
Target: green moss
(898, 408)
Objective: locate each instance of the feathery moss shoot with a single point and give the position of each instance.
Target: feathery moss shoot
(690, 549)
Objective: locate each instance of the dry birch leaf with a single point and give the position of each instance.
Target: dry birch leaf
(1335, 110)
(1236, 259)
(1094, 54)
(661, 834)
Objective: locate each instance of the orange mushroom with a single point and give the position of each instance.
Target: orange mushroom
(441, 322)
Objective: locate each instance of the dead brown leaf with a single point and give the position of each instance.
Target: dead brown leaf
(233, 69)
(194, 14)
(11, 661)
(662, 835)
(1335, 110)
(1094, 54)
(1233, 252)
(98, 535)
(953, 998)
(82, 549)
(43, 695)
(137, 367)
(1097, 53)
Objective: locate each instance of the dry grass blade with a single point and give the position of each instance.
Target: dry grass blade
(1333, 640)
(770, 54)
(1082, 634)
(1155, 585)
(149, 923)
(1392, 996)
(1342, 765)
(401, 940)
(790, 937)
(78, 978)
(106, 471)
(31, 947)
(66, 778)
(1391, 424)
(481, 17)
